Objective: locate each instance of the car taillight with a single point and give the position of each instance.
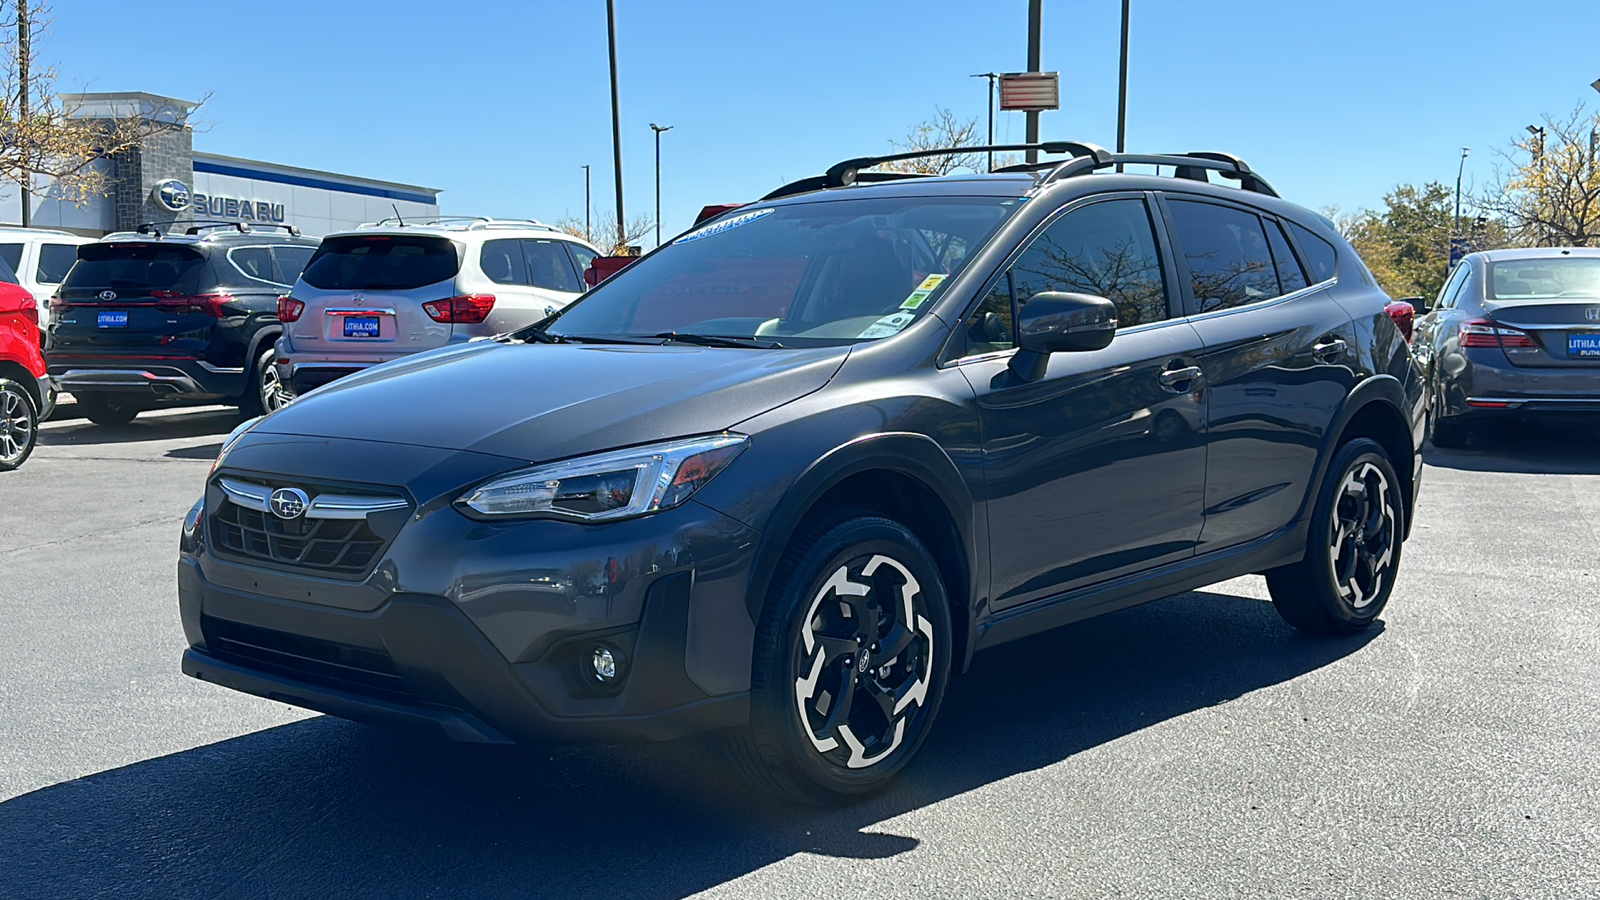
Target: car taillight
(30, 311)
(1404, 316)
(289, 309)
(59, 305)
(1488, 333)
(213, 305)
(468, 310)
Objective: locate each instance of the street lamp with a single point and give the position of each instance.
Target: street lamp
(1538, 132)
(1455, 224)
(588, 235)
(658, 129)
(991, 76)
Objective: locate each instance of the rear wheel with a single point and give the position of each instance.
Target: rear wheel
(850, 665)
(102, 409)
(19, 424)
(1353, 550)
(266, 392)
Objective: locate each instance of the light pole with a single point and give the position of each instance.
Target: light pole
(1455, 224)
(1122, 86)
(1035, 25)
(1538, 132)
(588, 234)
(616, 124)
(991, 76)
(658, 129)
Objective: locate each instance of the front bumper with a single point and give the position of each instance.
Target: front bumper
(154, 377)
(476, 630)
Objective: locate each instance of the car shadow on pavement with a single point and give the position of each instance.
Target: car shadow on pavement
(323, 807)
(196, 423)
(1528, 448)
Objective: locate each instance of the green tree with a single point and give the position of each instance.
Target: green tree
(1550, 195)
(1407, 243)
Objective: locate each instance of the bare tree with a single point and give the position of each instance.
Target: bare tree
(605, 226)
(1548, 192)
(39, 135)
(942, 131)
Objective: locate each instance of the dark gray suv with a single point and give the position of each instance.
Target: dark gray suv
(785, 475)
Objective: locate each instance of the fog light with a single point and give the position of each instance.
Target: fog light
(605, 664)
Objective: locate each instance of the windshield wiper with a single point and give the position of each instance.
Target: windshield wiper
(717, 340)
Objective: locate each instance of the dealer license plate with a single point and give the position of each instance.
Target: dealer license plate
(1584, 346)
(361, 326)
(113, 320)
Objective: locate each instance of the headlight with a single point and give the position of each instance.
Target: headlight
(234, 435)
(612, 485)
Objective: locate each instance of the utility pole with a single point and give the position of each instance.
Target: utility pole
(1035, 24)
(1122, 85)
(616, 123)
(1455, 225)
(588, 234)
(658, 129)
(991, 76)
(24, 56)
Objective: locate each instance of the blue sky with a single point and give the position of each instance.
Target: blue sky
(501, 103)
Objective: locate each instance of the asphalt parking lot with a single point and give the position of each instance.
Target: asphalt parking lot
(1195, 747)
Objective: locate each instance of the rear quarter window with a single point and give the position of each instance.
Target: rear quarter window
(1321, 258)
(136, 267)
(11, 255)
(382, 262)
(55, 261)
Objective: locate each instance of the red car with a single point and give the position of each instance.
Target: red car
(26, 394)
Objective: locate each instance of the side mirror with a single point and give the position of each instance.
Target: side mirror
(1404, 315)
(1060, 322)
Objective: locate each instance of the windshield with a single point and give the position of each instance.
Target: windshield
(136, 267)
(1544, 279)
(814, 274)
(381, 262)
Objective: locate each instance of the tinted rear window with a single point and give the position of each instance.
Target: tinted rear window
(1321, 258)
(136, 267)
(1543, 279)
(55, 261)
(381, 262)
(11, 255)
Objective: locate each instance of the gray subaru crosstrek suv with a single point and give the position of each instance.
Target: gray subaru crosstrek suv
(782, 477)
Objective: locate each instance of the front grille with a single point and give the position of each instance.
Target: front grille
(345, 547)
(325, 663)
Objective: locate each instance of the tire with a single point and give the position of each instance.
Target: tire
(19, 424)
(102, 410)
(842, 582)
(1353, 549)
(1447, 433)
(266, 392)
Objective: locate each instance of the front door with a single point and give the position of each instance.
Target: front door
(1097, 468)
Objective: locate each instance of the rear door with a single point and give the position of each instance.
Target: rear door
(1556, 301)
(533, 277)
(138, 299)
(1278, 363)
(364, 295)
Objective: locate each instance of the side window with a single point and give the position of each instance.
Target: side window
(255, 262)
(55, 260)
(502, 262)
(1451, 292)
(549, 267)
(1226, 248)
(1321, 258)
(11, 255)
(290, 262)
(1289, 274)
(1107, 249)
(582, 257)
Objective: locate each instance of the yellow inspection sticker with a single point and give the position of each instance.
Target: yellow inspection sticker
(923, 290)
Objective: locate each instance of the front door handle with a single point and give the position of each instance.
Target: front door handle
(1329, 350)
(1180, 381)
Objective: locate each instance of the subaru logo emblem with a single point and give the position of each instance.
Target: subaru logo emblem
(172, 195)
(289, 503)
(1593, 314)
(108, 295)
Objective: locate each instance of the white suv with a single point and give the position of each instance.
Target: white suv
(394, 288)
(40, 258)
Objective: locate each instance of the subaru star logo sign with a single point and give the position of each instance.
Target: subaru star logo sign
(171, 195)
(289, 503)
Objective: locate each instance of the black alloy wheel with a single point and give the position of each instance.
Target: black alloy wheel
(851, 662)
(1353, 552)
(19, 424)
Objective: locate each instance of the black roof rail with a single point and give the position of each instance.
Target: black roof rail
(851, 170)
(149, 228)
(242, 227)
(1192, 166)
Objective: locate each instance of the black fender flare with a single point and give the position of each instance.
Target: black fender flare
(264, 335)
(1387, 390)
(913, 455)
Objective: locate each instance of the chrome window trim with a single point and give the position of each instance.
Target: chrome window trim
(1263, 304)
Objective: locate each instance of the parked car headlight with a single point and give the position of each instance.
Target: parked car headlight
(612, 485)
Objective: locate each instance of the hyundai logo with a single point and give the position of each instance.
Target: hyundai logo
(172, 195)
(1593, 314)
(108, 295)
(289, 503)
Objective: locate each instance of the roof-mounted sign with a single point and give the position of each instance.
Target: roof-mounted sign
(1030, 91)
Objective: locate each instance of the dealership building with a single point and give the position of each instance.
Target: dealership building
(165, 181)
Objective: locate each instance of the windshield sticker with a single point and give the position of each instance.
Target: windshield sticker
(888, 325)
(923, 290)
(723, 225)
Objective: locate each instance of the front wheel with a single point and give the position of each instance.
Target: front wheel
(1353, 550)
(19, 424)
(851, 659)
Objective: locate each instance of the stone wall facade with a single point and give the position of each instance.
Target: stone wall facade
(138, 170)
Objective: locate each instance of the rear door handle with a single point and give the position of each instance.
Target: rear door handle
(1180, 381)
(1330, 350)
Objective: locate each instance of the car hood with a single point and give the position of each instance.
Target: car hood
(539, 402)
